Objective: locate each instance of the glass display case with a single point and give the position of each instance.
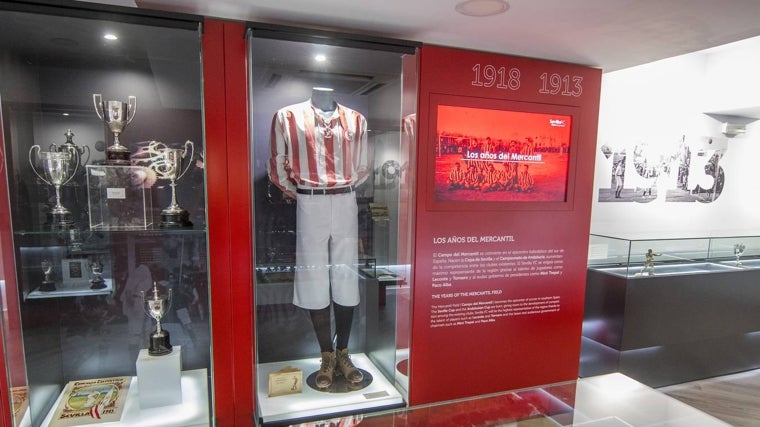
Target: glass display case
(635, 258)
(333, 127)
(105, 289)
(667, 311)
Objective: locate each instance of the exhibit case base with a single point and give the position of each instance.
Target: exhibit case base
(669, 311)
(311, 403)
(160, 378)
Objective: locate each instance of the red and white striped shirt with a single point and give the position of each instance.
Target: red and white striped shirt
(309, 150)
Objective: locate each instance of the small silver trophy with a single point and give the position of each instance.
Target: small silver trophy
(47, 285)
(156, 306)
(58, 170)
(116, 115)
(97, 281)
(167, 162)
(738, 252)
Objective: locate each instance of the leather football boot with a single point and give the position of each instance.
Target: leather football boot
(344, 365)
(324, 378)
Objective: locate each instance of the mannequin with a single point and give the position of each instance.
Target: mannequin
(319, 155)
(322, 99)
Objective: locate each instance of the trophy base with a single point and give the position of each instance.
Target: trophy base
(47, 286)
(118, 157)
(159, 343)
(98, 284)
(175, 219)
(60, 220)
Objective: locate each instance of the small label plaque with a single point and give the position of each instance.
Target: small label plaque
(288, 380)
(116, 193)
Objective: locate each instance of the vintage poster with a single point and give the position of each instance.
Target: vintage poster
(91, 402)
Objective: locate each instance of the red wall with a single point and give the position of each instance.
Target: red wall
(496, 336)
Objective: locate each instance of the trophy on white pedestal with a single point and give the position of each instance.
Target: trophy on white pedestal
(156, 306)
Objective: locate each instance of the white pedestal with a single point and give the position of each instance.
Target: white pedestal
(159, 378)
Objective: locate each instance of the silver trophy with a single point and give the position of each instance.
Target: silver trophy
(167, 162)
(75, 150)
(116, 115)
(97, 281)
(156, 306)
(738, 252)
(47, 285)
(59, 167)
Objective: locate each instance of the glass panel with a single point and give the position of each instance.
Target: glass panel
(636, 258)
(332, 143)
(104, 248)
(741, 251)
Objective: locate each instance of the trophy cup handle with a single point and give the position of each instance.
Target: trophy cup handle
(75, 157)
(184, 154)
(97, 99)
(31, 163)
(132, 108)
(87, 149)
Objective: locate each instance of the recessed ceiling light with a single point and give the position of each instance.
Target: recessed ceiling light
(323, 88)
(320, 58)
(110, 36)
(66, 114)
(482, 7)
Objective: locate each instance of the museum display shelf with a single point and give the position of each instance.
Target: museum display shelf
(379, 394)
(686, 313)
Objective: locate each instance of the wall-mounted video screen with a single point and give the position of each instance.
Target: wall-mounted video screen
(487, 154)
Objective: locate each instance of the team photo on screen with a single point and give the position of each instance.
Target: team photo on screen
(501, 155)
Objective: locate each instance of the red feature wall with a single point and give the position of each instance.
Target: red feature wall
(499, 271)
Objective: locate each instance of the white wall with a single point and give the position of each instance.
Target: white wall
(661, 103)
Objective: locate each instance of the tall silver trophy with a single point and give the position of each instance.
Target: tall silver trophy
(116, 115)
(168, 164)
(58, 168)
(156, 306)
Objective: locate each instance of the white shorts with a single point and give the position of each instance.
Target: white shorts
(326, 250)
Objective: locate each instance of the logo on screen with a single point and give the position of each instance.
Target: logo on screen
(557, 123)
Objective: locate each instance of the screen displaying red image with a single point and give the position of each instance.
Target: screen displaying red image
(500, 155)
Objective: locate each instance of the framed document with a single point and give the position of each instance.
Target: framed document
(288, 380)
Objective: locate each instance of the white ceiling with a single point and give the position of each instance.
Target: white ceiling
(609, 34)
